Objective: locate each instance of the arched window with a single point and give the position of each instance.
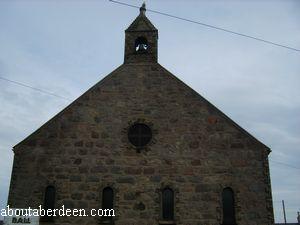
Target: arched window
(107, 200)
(141, 45)
(167, 204)
(49, 202)
(228, 207)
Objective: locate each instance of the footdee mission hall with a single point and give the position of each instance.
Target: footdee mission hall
(145, 144)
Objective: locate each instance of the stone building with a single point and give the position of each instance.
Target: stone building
(145, 144)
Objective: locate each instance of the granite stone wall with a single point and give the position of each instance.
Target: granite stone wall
(196, 150)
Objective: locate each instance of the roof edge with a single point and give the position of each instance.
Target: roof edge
(131, 27)
(268, 149)
(64, 109)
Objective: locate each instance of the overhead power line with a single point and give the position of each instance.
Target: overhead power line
(34, 88)
(210, 26)
(285, 164)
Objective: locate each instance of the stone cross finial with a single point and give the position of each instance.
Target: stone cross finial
(143, 8)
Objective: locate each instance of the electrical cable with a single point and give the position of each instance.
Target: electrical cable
(210, 26)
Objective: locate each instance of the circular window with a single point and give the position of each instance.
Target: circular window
(139, 135)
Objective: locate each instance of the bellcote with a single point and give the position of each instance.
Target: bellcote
(141, 40)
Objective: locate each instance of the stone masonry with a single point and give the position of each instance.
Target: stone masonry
(195, 149)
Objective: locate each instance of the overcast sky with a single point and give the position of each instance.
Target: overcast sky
(67, 46)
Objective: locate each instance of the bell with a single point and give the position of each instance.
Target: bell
(142, 47)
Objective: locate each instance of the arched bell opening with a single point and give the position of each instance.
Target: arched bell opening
(141, 45)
